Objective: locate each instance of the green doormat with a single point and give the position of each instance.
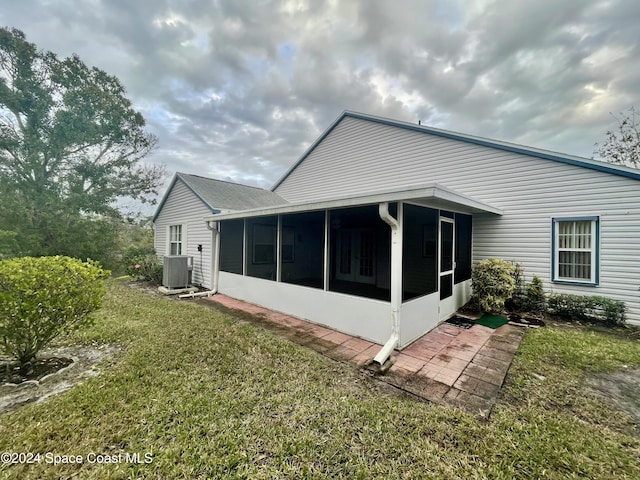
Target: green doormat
(492, 321)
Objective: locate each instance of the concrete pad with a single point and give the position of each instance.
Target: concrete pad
(177, 291)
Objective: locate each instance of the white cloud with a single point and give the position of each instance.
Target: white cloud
(239, 90)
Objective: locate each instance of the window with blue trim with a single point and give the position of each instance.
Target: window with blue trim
(575, 255)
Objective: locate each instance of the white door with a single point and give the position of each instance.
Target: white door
(355, 261)
(447, 267)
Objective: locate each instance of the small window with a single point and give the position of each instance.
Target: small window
(575, 253)
(175, 240)
(264, 244)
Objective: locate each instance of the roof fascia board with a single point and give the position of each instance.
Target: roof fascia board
(433, 191)
(445, 194)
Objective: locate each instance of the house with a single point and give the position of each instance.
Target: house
(384, 220)
(179, 226)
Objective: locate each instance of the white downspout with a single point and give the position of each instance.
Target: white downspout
(215, 263)
(396, 283)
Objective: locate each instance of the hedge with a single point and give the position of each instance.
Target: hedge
(588, 308)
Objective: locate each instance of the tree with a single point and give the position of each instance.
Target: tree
(622, 145)
(70, 145)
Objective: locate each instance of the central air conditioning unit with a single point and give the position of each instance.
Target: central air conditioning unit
(176, 271)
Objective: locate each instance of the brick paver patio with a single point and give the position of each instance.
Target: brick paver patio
(448, 365)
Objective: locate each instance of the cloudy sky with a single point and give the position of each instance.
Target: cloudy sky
(238, 90)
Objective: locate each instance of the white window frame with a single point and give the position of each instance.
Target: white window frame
(177, 240)
(594, 250)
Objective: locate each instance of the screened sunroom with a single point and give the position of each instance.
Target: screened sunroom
(373, 266)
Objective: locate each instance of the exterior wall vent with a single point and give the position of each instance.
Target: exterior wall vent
(177, 271)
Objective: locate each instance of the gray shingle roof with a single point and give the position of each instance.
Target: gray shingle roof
(222, 195)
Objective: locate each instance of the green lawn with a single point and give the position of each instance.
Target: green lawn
(211, 396)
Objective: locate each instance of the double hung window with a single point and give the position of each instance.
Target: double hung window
(576, 250)
(175, 240)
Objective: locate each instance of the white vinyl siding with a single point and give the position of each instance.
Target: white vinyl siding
(360, 156)
(183, 207)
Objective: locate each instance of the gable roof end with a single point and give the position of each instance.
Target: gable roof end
(510, 147)
(219, 195)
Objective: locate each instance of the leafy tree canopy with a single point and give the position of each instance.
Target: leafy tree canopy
(622, 145)
(70, 145)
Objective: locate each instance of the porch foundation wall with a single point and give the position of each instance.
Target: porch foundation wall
(420, 315)
(362, 317)
(462, 293)
(417, 317)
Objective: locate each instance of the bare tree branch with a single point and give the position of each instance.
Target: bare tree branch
(622, 145)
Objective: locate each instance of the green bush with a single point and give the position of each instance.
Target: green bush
(142, 263)
(588, 308)
(535, 299)
(518, 298)
(40, 298)
(493, 283)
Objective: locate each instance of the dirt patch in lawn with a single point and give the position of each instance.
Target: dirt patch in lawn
(621, 388)
(57, 370)
(10, 372)
(147, 287)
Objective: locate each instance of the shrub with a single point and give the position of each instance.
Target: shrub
(142, 263)
(493, 283)
(40, 298)
(535, 299)
(518, 298)
(588, 308)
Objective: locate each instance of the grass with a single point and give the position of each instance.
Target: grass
(211, 396)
